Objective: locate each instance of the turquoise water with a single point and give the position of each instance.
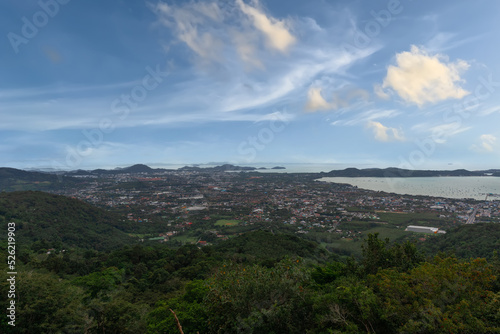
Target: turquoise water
(451, 187)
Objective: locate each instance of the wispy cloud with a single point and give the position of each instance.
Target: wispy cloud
(216, 30)
(370, 115)
(420, 78)
(440, 133)
(340, 99)
(488, 142)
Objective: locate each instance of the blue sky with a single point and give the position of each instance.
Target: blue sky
(412, 84)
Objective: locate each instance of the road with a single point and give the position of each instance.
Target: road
(472, 217)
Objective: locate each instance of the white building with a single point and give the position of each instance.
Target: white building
(423, 229)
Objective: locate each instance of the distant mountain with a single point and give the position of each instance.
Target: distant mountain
(398, 172)
(278, 167)
(223, 168)
(139, 168)
(58, 220)
(135, 169)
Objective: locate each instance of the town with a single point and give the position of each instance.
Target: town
(202, 207)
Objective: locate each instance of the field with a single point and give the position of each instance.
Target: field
(391, 225)
(227, 222)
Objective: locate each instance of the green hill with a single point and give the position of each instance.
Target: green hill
(12, 179)
(467, 241)
(268, 247)
(61, 221)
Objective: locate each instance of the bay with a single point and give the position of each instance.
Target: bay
(450, 187)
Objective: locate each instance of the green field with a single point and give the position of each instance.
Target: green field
(391, 225)
(227, 222)
(185, 239)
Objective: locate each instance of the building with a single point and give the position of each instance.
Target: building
(423, 229)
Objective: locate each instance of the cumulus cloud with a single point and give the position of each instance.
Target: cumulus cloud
(421, 78)
(276, 31)
(384, 133)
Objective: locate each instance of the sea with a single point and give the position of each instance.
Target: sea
(447, 187)
(476, 187)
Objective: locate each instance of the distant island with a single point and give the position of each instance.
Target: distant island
(398, 172)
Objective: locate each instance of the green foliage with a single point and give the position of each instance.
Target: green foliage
(255, 299)
(378, 254)
(189, 308)
(442, 296)
(52, 221)
(99, 283)
(467, 241)
(46, 304)
(329, 273)
(269, 248)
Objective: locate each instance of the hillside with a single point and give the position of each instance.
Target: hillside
(61, 221)
(269, 247)
(12, 179)
(467, 241)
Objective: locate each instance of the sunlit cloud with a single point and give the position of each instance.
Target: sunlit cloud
(191, 24)
(340, 99)
(384, 133)
(315, 101)
(421, 78)
(276, 31)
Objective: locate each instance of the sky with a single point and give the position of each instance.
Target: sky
(409, 84)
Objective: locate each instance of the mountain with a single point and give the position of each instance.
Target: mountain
(138, 168)
(398, 172)
(61, 221)
(223, 168)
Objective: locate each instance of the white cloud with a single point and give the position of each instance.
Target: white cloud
(276, 31)
(341, 98)
(216, 30)
(384, 133)
(370, 115)
(316, 101)
(379, 91)
(441, 133)
(192, 28)
(488, 142)
(421, 78)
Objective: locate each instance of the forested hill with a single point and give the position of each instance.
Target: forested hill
(12, 179)
(58, 221)
(467, 241)
(398, 172)
(268, 247)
